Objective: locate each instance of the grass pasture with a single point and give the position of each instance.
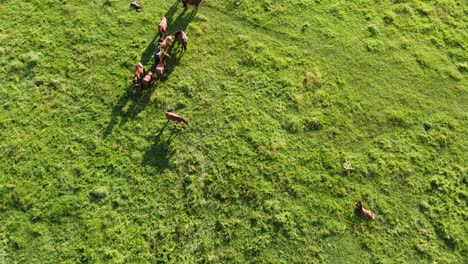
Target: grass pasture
(297, 109)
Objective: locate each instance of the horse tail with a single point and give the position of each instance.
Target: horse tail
(185, 121)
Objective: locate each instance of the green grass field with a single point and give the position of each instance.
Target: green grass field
(297, 109)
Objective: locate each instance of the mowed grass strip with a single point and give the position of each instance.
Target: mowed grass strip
(297, 109)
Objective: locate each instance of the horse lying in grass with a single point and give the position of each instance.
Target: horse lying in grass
(182, 38)
(173, 117)
(363, 211)
(138, 73)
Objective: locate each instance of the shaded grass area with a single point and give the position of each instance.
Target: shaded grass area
(297, 109)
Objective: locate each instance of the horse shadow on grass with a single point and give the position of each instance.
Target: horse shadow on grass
(159, 154)
(136, 101)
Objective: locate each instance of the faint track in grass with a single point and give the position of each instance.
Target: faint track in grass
(283, 36)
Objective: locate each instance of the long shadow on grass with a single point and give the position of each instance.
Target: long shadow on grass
(137, 100)
(159, 154)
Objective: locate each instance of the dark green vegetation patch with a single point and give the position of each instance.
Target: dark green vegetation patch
(297, 109)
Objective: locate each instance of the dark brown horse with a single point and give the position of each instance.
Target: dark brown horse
(186, 3)
(161, 66)
(157, 55)
(182, 38)
(136, 6)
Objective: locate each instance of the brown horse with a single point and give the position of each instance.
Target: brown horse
(182, 38)
(162, 26)
(138, 73)
(173, 117)
(166, 43)
(186, 3)
(146, 80)
(161, 66)
(363, 211)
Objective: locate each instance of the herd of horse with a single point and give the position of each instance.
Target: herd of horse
(160, 57)
(142, 80)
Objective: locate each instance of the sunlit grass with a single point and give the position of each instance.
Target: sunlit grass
(297, 109)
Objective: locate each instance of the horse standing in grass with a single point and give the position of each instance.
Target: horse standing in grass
(162, 26)
(186, 3)
(136, 6)
(365, 212)
(182, 38)
(138, 73)
(173, 117)
(146, 80)
(166, 43)
(161, 66)
(157, 55)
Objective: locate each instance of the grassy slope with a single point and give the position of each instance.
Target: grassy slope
(278, 116)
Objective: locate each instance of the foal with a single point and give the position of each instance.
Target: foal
(138, 73)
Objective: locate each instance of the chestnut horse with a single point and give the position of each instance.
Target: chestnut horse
(161, 66)
(182, 38)
(146, 80)
(138, 73)
(363, 211)
(186, 3)
(173, 117)
(162, 26)
(166, 43)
